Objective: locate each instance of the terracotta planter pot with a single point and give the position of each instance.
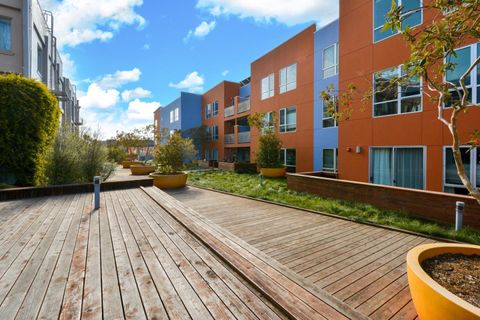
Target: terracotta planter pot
(141, 169)
(431, 300)
(273, 172)
(169, 181)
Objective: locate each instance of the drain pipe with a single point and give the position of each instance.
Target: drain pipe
(96, 191)
(460, 206)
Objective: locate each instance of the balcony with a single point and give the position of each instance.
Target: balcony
(244, 137)
(229, 112)
(243, 104)
(229, 138)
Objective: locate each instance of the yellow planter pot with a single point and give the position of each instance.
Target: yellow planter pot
(140, 169)
(431, 300)
(273, 172)
(169, 181)
(127, 163)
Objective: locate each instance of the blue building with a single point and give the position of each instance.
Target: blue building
(325, 134)
(182, 114)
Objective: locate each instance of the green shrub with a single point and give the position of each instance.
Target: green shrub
(116, 153)
(29, 121)
(269, 147)
(170, 157)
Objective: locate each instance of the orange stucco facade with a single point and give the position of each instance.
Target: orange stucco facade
(360, 57)
(299, 50)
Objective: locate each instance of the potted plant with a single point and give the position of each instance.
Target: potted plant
(170, 158)
(430, 270)
(269, 146)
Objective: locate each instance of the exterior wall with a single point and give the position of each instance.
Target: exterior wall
(323, 138)
(300, 50)
(12, 61)
(157, 122)
(360, 58)
(165, 125)
(190, 110)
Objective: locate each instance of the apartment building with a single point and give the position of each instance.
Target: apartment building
(28, 46)
(282, 86)
(398, 140)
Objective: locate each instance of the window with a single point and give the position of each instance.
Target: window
(176, 114)
(41, 63)
(208, 111)
(171, 116)
(5, 34)
(207, 155)
(209, 133)
(269, 121)
(215, 154)
(471, 161)
(288, 119)
(411, 17)
(268, 86)
(330, 160)
(289, 159)
(397, 166)
(328, 120)
(288, 78)
(406, 97)
(330, 61)
(215, 108)
(464, 59)
(215, 132)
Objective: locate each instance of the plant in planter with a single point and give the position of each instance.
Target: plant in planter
(269, 146)
(170, 159)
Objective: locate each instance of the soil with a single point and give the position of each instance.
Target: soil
(458, 273)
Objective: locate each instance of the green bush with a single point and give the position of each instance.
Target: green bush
(29, 121)
(170, 157)
(269, 147)
(77, 158)
(116, 153)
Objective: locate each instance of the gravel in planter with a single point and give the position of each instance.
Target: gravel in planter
(458, 273)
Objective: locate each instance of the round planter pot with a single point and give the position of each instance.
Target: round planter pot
(169, 181)
(273, 172)
(141, 169)
(127, 163)
(431, 300)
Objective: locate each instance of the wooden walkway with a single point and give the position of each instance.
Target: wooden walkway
(361, 265)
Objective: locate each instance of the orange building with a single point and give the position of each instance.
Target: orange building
(397, 140)
(282, 82)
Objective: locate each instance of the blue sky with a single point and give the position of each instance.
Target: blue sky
(128, 57)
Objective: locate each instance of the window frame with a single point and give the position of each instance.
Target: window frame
(272, 127)
(284, 126)
(335, 122)
(335, 161)
(284, 88)
(284, 151)
(10, 24)
(208, 111)
(271, 87)
(473, 168)
(176, 114)
(172, 117)
(215, 133)
(214, 108)
(336, 57)
(399, 96)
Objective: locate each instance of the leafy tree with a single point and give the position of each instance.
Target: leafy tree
(29, 121)
(170, 157)
(269, 145)
(432, 51)
(137, 139)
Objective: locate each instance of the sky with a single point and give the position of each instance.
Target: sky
(130, 57)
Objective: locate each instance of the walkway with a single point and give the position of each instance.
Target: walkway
(363, 266)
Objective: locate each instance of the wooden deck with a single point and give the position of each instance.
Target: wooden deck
(361, 265)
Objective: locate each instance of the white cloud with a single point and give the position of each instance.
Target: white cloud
(128, 95)
(97, 97)
(69, 66)
(82, 21)
(224, 73)
(140, 110)
(283, 11)
(201, 31)
(146, 46)
(193, 82)
(120, 78)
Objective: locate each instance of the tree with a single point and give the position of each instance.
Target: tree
(137, 139)
(199, 135)
(170, 157)
(269, 145)
(432, 58)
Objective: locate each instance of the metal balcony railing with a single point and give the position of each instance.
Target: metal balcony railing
(230, 111)
(243, 104)
(244, 137)
(229, 138)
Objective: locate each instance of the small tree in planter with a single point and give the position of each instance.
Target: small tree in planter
(269, 146)
(170, 158)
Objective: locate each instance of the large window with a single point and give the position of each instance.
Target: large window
(404, 97)
(471, 162)
(330, 61)
(268, 86)
(288, 119)
(172, 116)
(5, 34)
(464, 58)
(215, 132)
(215, 108)
(398, 166)
(208, 111)
(289, 159)
(288, 78)
(412, 16)
(177, 116)
(269, 121)
(330, 159)
(328, 121)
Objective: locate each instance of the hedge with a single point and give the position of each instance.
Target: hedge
(29, 121)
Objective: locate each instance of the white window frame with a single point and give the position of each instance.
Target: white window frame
(208, 111)
(473, 167)
(335, 122)
(215, 108)
(399, 96)
(177, 114)
(396, 33)
(335, 161)
(289, 84)
(284, 151)
(171, 116)
(284, 126)
(269, 91)
(269, 115)
(370, 158)
(335, 65)
(10, 23)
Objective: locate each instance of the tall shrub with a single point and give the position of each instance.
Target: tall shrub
(269, 147)
(171, 156)
(29, 121)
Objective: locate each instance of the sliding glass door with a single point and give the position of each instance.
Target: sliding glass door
(401, 167)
